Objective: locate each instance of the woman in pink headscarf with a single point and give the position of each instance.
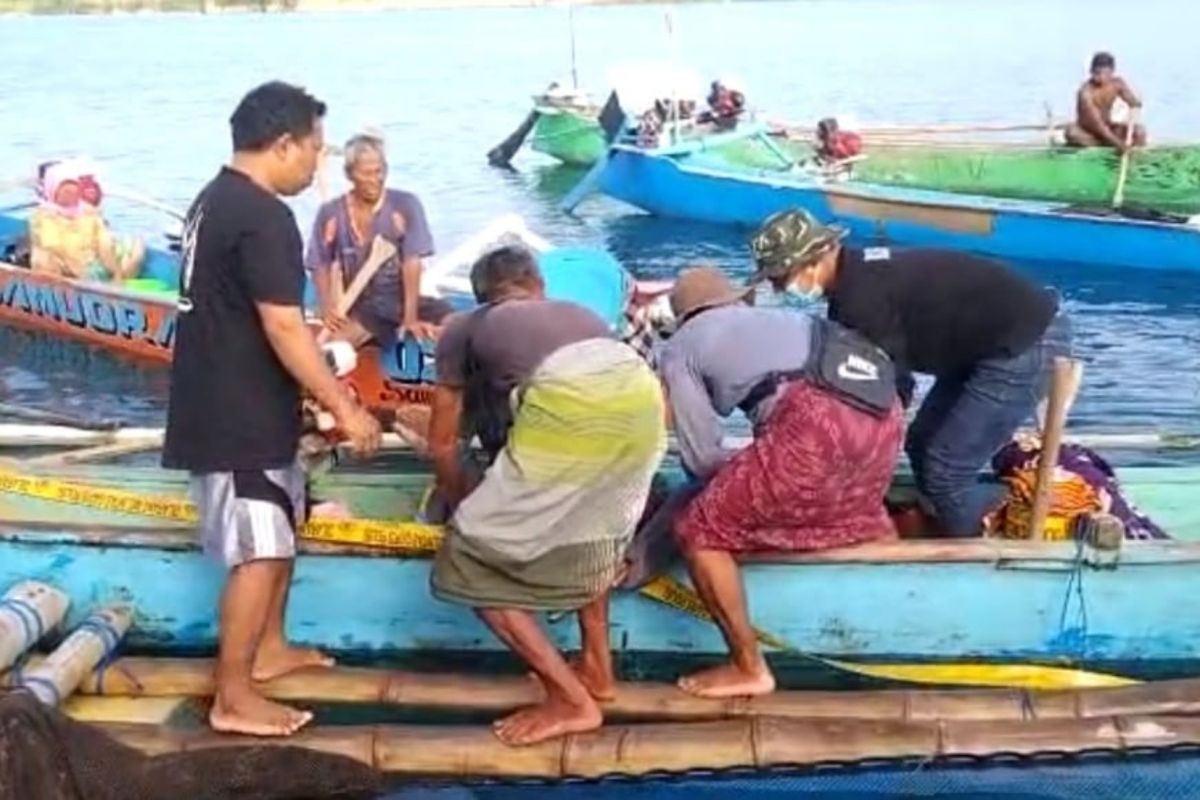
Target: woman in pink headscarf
(68, 236)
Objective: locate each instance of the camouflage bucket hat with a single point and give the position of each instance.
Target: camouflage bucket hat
(788, 241)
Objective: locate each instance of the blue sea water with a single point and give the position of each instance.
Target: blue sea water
(1097, 776)
(149, 98)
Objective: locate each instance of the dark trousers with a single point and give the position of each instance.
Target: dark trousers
(968, 417)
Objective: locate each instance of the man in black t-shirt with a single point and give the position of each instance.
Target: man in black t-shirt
(242, 354)
(988, 335)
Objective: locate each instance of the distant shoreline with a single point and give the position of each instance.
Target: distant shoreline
(57, 7)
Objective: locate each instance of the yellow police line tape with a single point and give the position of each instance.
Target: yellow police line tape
(414, 538)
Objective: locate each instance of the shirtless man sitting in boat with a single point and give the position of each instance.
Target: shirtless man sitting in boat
(1093, 126)
(391, 306)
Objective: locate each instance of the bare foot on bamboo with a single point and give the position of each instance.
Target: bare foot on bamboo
(729, 680)
(245, 712)
(274, 661)
(549, 720)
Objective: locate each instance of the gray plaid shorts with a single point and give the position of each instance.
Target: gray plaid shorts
(249, 515)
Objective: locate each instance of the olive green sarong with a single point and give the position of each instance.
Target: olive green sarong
(548, 526)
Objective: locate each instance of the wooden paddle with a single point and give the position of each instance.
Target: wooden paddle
(1119, 195)
(502, 154)
(1052, 435)
(381, 251)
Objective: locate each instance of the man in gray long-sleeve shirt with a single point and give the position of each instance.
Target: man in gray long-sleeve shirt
(815, 475)
(713, 363)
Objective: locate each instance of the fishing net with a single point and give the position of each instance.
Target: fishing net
(46, 756)
(1095, 776)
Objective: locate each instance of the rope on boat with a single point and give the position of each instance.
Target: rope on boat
(421, 539)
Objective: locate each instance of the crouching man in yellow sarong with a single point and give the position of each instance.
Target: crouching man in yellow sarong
(574, 425)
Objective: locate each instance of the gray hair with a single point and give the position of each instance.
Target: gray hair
(359, 145)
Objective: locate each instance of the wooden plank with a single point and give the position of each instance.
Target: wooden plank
(953, 219)
(1001, 553)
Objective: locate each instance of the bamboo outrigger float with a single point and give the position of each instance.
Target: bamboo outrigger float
(474, 752)
(786, 729)
(141, 677)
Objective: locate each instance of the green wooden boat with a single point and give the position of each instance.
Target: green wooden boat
(570, 135)
(1164, 178)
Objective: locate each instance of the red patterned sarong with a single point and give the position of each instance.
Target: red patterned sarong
(814, 478)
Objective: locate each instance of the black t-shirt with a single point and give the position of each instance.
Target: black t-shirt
(233, 405)
(938, 311)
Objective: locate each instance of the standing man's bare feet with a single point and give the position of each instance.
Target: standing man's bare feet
(276, 659)
(246, 712)
(729, 680)
(548, 720)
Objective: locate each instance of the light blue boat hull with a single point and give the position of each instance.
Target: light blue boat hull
(1015, 602)
(690, 183)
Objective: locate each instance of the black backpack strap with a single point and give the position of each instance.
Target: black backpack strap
(848, 365)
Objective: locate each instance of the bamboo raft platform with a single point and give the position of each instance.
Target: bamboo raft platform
(786, 729)
(184, 677)
(756, 742)
(135, 700)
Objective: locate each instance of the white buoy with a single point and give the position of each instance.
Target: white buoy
(27, 611)
(54, 679)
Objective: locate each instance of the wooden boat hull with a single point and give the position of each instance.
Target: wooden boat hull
(695, 182)
(925, 600)
(1162, 178)
(141, 325)
(572, 137)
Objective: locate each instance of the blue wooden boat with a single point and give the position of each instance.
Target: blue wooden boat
(711, 180)
(915, 600)
(137, 319)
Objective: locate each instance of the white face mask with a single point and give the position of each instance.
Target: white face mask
(811, 295)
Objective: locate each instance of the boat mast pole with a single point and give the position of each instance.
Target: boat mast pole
(674, 78)
(571, 22)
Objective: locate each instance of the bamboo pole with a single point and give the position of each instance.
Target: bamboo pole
(150, 677)
(24, 435)
(95, 639)
(640, 749)
(1123, 176)
(30, 414)
(55, 436)
(27, 611)
(1052, 436)
(94, 453)
(925, 129)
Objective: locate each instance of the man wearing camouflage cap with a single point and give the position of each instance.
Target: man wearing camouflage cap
(987, 334)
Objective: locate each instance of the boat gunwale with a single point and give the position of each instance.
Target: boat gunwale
(114, 289)
(1000, 553)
